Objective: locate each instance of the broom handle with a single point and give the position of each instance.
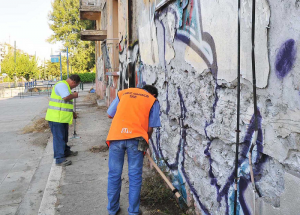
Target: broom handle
(75, 119)
(163, 175)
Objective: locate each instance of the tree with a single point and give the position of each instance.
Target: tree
(66, 25)
(53, 69)
(25, 65)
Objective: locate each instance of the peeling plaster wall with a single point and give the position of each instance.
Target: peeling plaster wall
(188, 50)
(100, 71)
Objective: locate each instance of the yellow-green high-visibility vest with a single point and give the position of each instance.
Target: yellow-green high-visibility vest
(60, 110)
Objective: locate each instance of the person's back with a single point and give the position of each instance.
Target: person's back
(132, 117)
(135, 112)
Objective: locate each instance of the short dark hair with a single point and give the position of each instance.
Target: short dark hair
(151, 89)
(75, 78)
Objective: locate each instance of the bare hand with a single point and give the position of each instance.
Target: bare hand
(74, 115)
(75, 94)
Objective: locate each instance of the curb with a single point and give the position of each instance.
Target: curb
(47, 206)
(49, 199)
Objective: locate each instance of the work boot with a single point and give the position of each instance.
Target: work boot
(71, 154)
(64, 163)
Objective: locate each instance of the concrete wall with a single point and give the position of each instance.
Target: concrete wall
(188, 50)
(100, 72)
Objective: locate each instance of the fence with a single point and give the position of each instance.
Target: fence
(33, 88)
(22, 89)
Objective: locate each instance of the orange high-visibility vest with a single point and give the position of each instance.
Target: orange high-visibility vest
(132, 116)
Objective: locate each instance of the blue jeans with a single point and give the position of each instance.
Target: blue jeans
(60, 132)
(135, 169)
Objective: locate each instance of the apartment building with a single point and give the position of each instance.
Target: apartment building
(3, 52)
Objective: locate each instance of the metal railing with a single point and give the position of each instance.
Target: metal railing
(22, 89)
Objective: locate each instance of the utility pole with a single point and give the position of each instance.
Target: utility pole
(15, 52)
(44, 70)
(60, 66)
(15, 59)
(67, 62)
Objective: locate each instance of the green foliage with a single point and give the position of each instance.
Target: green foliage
(84, 77)
(66, 25)
(25, 65)
(53, 69)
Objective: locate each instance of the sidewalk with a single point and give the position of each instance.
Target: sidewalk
(81, 188)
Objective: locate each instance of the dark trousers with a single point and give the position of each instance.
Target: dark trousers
(60, 132)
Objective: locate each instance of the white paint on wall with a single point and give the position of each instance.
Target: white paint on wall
(261, 44)
(192, 58)
(170, 53)
(171, 24)
(219, 19)
(225, 37)
(148, 44)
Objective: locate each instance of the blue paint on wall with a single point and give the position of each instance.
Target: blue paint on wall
(285, 58)
(180, 185)
(184, 34)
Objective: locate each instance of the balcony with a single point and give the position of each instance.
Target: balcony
(93, 35)
(90, 9)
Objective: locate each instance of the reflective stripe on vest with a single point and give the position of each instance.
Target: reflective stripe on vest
(60, 110)
(61, 101)
(132, 117)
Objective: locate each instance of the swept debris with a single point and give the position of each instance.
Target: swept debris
(37, 126)
(97, 149)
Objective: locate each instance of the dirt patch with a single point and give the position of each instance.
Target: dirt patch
(97, 149)
(39, 125)
(156, 197)
(91, 98)
(40, 139)
(102, 108)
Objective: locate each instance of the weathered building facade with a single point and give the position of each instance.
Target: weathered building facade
(188, 50)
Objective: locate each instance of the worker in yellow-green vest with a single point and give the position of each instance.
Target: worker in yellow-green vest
(60, 114)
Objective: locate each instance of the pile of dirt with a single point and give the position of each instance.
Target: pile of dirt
(39, 125)
(156, 197)
(97, 149)
(91, 98)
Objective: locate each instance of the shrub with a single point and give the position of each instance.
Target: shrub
(84, 77)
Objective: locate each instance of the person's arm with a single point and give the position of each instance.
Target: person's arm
(62, 90)
(150, 131)
(113, 108)
(154, 118)
(73, 95)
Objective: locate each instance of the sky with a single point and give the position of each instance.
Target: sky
(26, 22)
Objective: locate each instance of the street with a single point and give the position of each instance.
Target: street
(23, 169)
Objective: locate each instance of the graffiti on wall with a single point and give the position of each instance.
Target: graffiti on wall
(193, 35)
(187, 16)
(285, 58)
(130, 66)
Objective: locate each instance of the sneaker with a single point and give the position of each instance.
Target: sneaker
(64, 163)
(72, 153)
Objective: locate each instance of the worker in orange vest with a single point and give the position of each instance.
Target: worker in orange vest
(135, 113)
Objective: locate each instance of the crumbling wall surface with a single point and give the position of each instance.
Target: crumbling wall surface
(100, 74)
(188, 50)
